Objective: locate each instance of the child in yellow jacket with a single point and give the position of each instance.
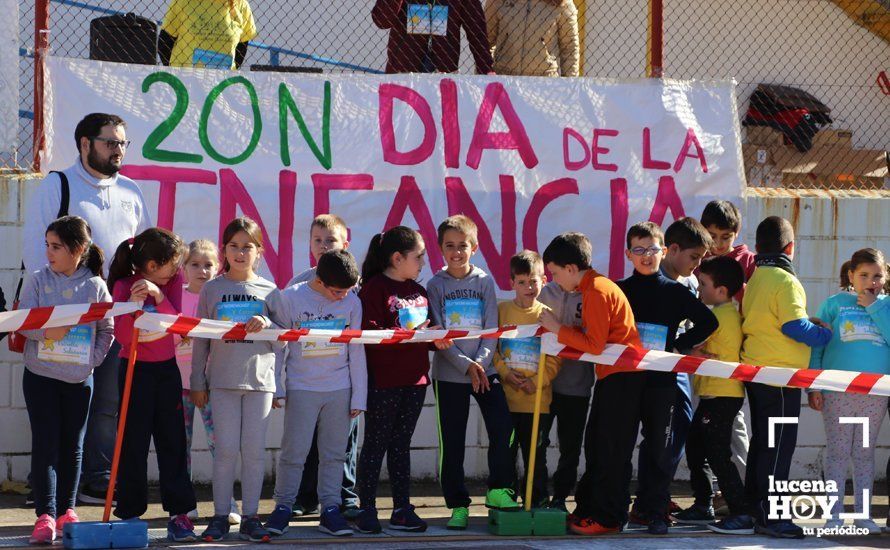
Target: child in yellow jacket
(516, 361)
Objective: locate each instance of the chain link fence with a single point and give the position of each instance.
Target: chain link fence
(813, 89)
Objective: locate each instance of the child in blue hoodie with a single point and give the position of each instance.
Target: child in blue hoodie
(860, 323)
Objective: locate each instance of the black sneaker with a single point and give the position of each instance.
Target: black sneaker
(29, 498)
(734, 525)
(780, 530)
(558, 504)
(367, 522)
(695, 515)
(301, 510)
(216, 530)
(657, 526)
(350, 512)
(252, 529)
(92, 494)
(405, 519)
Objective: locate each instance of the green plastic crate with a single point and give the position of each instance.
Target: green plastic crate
(510, 523)
(548, 522)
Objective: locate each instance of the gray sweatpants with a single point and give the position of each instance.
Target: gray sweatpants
(304, 409)
(240, 419)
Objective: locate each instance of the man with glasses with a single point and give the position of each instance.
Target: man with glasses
(113, 206)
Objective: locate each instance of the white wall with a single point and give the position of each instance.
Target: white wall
(829, 228)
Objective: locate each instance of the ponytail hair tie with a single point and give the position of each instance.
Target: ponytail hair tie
(131, 240)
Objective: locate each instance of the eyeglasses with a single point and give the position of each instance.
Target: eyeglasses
(643, 251)
(113, 144)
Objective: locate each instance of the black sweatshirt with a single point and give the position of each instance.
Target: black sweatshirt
(659, 305)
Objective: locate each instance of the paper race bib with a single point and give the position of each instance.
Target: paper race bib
(427, 19)
(653, 336)
(209, 59)
(238, 312)
(463, 314)
(521, 353)
(412, 316)
(323, 349)
(856, 325)
(75, 348)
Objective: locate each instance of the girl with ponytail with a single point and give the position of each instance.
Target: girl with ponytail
(58, 378)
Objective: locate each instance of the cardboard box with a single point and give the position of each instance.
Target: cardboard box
(832, 167)
(763, 135)
(831, 137)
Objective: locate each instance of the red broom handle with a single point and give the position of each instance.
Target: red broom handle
(121, 422)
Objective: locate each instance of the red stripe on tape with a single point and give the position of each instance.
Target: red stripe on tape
(293, 334)
(689, 364)
(630, 358)
(745, 373)
(95, 312)
(456, 334)
(183, 325)
(864, 382)
(346, 336)
(37, 317)
(570, 353)
(235, 333)
(803, 378)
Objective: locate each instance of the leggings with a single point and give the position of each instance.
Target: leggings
(845, 443)
(188, 410)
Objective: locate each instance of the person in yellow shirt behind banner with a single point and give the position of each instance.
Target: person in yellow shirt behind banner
(516, 361)
(210, 34)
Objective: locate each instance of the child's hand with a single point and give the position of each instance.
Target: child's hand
(443, 344)
(529, 386)
(278, 403)
(867, 297)
(514, 380)
(198, 398)
(255, 324)
(815, 400)
(819, 322)
(549, 321)
(56, 333)
(354, 413)
(477, 378)
(144, 288)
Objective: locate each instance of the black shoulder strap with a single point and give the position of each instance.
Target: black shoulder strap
(66, 194)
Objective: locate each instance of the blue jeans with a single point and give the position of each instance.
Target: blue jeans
(98, 446)
(58, 414)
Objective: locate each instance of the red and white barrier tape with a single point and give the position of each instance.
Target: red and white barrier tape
(630, 358)
(227, 330)
(63, 316)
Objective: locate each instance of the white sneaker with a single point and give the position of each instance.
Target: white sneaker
(869, 525)
(234, 513)
(833, 524)
(193, 514)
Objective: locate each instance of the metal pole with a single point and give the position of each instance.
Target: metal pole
(41, 45)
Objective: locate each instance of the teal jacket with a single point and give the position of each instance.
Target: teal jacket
(860, 335)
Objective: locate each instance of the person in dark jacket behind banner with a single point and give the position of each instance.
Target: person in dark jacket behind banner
(424, 36)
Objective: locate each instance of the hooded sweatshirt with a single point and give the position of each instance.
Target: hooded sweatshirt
(73, 358)
(469, 303)
(113, 207)
(533, 37)
(575, 377)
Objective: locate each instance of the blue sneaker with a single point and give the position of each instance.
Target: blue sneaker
(279, 520)
(657, 526)
(367, 522)
(780, 530)
(181, 529)
(216, 530)
(741, 524)
(252, 529)
(404, 519)
(332, 522)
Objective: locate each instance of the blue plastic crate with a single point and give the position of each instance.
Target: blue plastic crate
(89, 535)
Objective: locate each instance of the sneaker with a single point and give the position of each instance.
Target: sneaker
(70, 516)
(460, 516)
(29, 498)
(91, 494)
(332, 522)
(301, 510)
(181, 529)
(216, 530)
(588, 527)
(279, 520)
(501, 499)
(252, 529)
(695, 515)
(869, 525)
(404, 519)
(657, 526)
(193, 515)
(44, 530)
(367, 522)
(721, 508)
(674, 508)
(780, 530)
(637, 518)
(558, 504)
(733, 525)
(350, 512)
(234, 513)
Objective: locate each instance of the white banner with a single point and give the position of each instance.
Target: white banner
(527, 158)
(9, 74)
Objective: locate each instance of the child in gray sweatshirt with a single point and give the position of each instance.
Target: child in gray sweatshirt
(59, 362)
(327, 385)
